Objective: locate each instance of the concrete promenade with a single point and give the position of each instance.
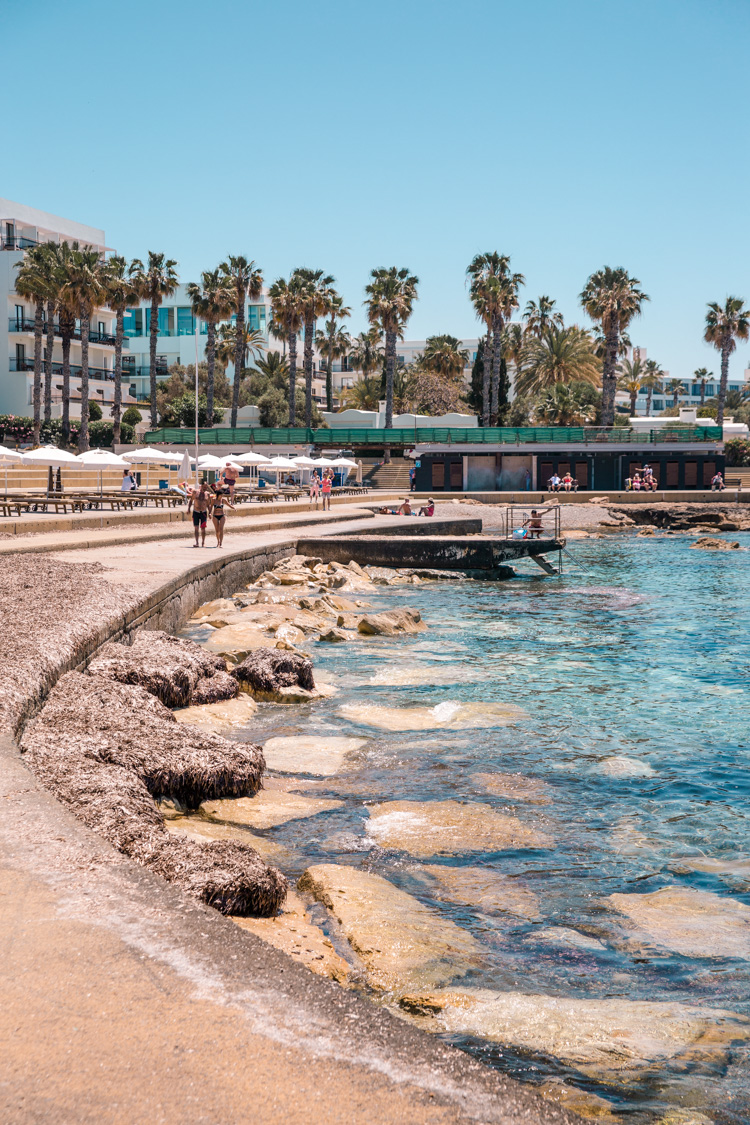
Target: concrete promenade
(123, 1001)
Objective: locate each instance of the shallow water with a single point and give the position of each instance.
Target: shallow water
(632, 679)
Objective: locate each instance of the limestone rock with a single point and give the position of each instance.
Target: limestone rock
(710, 543)
(236, 641)
(563, 935)
(341, 605)
(514, 786)
(218, 717)
(290, 634)
(487, 891)
(430, 828)
(402, 943)
(323, 755)
(448, 715)
(625, 767)
(585, 1104)
(198, 828)
(391, 623)
(598, 1036)
(684, 1117)
(209, 609)
(167, 667)
(333, 636)
(268, 808)
(690, 922)
(293, 933)
(275, 676)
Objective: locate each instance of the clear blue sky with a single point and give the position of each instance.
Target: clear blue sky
(403, 132)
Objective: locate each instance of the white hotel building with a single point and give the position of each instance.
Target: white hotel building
(20, 228)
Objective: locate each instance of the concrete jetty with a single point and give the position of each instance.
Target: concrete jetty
(439, 552)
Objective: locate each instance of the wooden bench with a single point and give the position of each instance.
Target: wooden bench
(8, 506)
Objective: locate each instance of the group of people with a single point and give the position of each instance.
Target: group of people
(321, 488)
(210, 500)
(643, 480)
(557, 483)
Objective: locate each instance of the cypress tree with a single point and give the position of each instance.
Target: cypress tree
(477, 376)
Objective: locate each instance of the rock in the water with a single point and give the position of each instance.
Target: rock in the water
(391, 623)
(319, 754)
(218, 717)
(107, 750)
(210, 609)
(236, 641)
(693, 923)
(214, 689)
(402, 943)
(684, 1117)
(333, 636)
(585, 1104)
(710, 543)
(597, 1036)
(430, 828)
(625, 767)
(290, 634)
(449, 715)
(488, 891)
(563, 935)
(293, 933)
(275, 676)
(168, 667)
(514, 786)
(268, 808)
(198, 828)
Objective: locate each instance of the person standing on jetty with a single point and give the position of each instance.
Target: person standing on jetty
(200, 501)
(326, 487)
(314, 489)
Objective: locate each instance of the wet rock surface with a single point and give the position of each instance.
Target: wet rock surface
(448, 828)
(487, 891)
(108, 750)
(451, 716)
(268, 809)
(392, 622)
(400, 941)
(171, 668)
(292, 932)
(710, 543)
(218, 717)
(690, 922)
(514, 786)
(597, 1036)
(323, 755)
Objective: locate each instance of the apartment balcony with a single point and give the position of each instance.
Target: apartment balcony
(101, 374)
(26, 324)
(17, 242)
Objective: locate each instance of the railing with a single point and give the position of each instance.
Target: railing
(26, 324)
(522, 435)
(100, 373)
(16, 242)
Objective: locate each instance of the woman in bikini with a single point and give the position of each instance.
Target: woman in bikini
(217, 513)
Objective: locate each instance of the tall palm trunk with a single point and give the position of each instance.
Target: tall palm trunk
(329, 367)
(609, 378)
(726, 348)
(66, 332)
(486, 376)
(309, 332)
(390, 374)
(210, 369)
(633, 397)
(117, 406)
(153, 334)
(48, 361)
(497, 327)
(292, 378)
(675, 396)
(37, 392)
(703, 392)
(649, 399)
(239, 351)
(83, 433)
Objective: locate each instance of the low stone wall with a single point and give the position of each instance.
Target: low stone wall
(473, 553)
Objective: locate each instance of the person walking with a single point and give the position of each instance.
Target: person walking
(229, 478)
(326, 489)
(200, 501)
(314, 489)
(412, 479)
(217, 512)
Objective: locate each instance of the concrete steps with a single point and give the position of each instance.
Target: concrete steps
(394, 477)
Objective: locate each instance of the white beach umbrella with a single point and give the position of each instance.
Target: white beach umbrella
(323, 463)
(208, 461)
(359, 472)
(9, 457)
(148, 455)
(343, 463)
(51, 457)
(101, 459)
(281, 465)
(252, 458)
(185, 472)
(304, 462)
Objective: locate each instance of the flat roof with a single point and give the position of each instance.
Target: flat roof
(54, 224)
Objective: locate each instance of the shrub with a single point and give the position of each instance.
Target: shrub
(737, 451)
(95, 411)
(17, 429)
(132, 416)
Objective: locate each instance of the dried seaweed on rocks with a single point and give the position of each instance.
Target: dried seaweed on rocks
(268, 669)
(214, 689)
(171, 668)
(107, 750)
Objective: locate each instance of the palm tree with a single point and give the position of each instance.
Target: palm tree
(157, 281)
(121, 293)
(559, 355)
(335, 340)
(675, 389)
(246, 281)
(612, 298)
(494, 294)
(83, 291)
(315, 287)
(367, 352)
(286, 305)
(248, 342)
(540, 315)
(443, 355)
(274, 367)
(631, 373)
(652, 378)
(363, 395)
(212, 300)
(390, 301)
(702, 374)
(32, 285)
(725, 325)
(563, 405)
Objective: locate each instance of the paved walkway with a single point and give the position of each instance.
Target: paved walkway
(123, 1001)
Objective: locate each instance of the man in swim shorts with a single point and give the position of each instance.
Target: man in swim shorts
(200, 502)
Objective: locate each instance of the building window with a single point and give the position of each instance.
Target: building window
(256, 318)
(185, 322)
(20, 357)
(164, 318)
(19, 316)
(132, 322)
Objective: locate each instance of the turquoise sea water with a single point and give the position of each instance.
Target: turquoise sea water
(641, 651)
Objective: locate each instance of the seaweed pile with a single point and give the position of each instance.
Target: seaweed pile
(177, 671)
(267, 670)
(109, 750)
